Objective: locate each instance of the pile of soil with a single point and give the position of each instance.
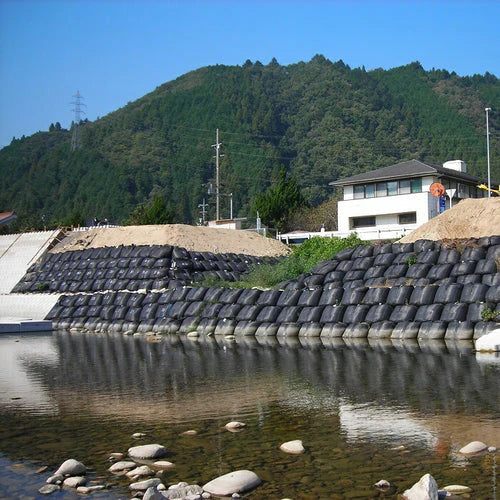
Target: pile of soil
(471, 218)
(193, 238)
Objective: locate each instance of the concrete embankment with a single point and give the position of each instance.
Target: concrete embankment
(413, 290)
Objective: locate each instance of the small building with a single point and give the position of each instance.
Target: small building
(398, 197)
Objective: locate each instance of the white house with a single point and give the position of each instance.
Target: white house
(390, 202)
(399, 195)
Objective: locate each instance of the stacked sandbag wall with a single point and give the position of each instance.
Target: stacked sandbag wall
(131, 268)
(416, 290)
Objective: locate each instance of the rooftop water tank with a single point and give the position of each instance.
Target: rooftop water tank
(458, 165)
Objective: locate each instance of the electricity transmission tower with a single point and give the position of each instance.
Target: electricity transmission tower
(76, 142)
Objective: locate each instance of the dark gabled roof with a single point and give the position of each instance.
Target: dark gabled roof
(405, 169)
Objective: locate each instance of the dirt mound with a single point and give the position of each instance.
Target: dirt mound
(471, 218)
(193, 238)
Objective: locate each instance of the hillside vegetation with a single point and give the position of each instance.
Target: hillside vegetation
(321, 120)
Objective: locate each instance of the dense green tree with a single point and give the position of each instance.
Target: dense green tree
(155, 212)
(280, 201)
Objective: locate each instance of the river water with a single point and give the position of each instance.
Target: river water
(364, 411)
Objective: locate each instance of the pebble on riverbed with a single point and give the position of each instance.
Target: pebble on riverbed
(294, 447)
(147, 451)
(142, 470)
(235, 426)
(383, 484)
(49, 489)
(425, 488)
(473, 447)
(234, 482)
(121, 466)
(190, 432)
(74, 481)
(71, 467)
(138, 435)
(163, 464)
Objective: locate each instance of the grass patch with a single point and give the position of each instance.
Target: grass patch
(303, 258)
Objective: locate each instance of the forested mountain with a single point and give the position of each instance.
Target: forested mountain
(319, 119)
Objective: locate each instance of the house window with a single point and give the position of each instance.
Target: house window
(404, 187)
(381, 188)
(363, 221)
(392, 188)
(408, 218)
(370, 191)
(416, 185)
(359, 192)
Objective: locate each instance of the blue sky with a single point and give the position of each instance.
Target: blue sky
(116, 51)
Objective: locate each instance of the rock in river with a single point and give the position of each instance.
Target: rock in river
(147, 451)
(144, 485)
(235, 482)
(143, 470)
(295, 447)
(48, 489)
(121, 466)
(425, 489)
(71, 467)
(473, 447)
(74, 481)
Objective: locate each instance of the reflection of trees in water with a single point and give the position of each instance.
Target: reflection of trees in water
(432, 378)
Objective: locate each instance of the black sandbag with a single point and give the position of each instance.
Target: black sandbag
(356, 331)
(310, 314)
(183, 264)
(249, 312)
(334, 276)
(108, 298)
(110, 274)
(474, 292)
(133, 285)
(399, 295)
(454, 312)
(159, 284)
(180, 293)
(144, 273)
(309, 297)
(146, 284)
(330, 330)
(473, 253)
(123, 263)
(88, 274)
(362, 251)
(382, 249)
(107, 312)
(249, 297)
(493, 294)
(333, 314)
(288, 330)
(95, 299)
(353, 296)
(405, 330)
(331, 296)
(440, 271)
(163, 311)
(207, 326)
(94, 311)
(475, 311)
(469, 279)
(158, 273)
(164, 297)
(314, 280)
(402, 247)
(363, 263)
(81, 300)
(289, 298)
(136, 299)
(493, 252)
(162, 263)
(55, 312)
(423, 295)
(151, 298)
(449, 256)
(268, 297)
(403, 313)
(355, 313)
(86, 285)
(432, 330)
(430, 257)
(448, 293)
(148, 311)
(194, 308)
(268, 314)
(120, 312)
(182, 274)
(424, 246)
(295, 284)
(100, 274)
(378, 312)
(161, 251)
(121, 284)
(310, 330)
(381, 330)
(211, 310)
(344, 266)
(325, 267)
(429, 312)
(396, 271)
(420, 281)
(375, 272)
(67, 312)
(485, 266)
(384, 259)
(225, 326)
(122, 299)
(196, 294)
(344, 254)
(145, 251)
(178, 309)
(352, 275)
(416, 271)
(462, 268)
(376, 296)
(230, 296)
(404, 258)
(189, 324)
(180, 253)
(74, 287)
(289, 314)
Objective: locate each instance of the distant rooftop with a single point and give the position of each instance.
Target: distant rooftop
(411, 168)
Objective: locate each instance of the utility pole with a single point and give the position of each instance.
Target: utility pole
(217, 146)
(488, 150)
(76, 142)
(203, 211)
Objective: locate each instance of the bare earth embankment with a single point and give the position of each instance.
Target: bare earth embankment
(193, 238)
(471, 218)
